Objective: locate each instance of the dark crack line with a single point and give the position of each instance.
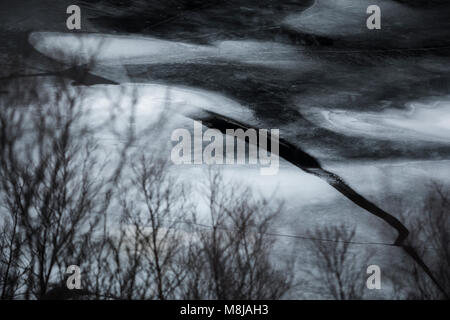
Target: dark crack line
(311, 165)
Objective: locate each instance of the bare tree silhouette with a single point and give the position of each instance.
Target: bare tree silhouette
(334, 268)
(430, 234)
(55, 186)
(234, 259)
(142, 258)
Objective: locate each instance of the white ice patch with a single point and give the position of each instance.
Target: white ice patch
(119, 50)
(150, 99)
(155, 106)
(421, 122)
(151, 109)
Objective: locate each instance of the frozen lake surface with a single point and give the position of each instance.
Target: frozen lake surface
(371, 106)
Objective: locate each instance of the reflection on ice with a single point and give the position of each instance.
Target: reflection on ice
(311, 202)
